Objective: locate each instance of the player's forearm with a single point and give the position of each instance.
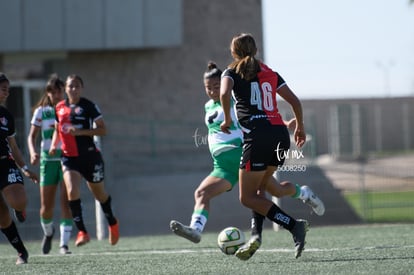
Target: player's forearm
(17, 156)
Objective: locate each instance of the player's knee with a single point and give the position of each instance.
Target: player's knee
(244, 200)
(199, 194)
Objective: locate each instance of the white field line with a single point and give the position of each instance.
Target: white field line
(210, 250)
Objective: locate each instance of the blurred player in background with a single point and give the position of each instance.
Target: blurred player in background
(12, 189)
(254, 87)
(226, 151)
(43, 122)
(75, 117)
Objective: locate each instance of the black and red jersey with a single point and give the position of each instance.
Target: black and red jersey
(81, 116)
(7, 129)
(255, 100)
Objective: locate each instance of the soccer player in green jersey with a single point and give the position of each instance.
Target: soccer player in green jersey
(43, 122)
(226, 150)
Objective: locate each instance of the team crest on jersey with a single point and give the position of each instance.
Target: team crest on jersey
(78, 110)
(3, 120)
(48, 113)
(62, 111)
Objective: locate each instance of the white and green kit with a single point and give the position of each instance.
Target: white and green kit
(50, 168)
(225, 149)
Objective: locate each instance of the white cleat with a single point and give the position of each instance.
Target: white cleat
(185, 231)
(313, 201)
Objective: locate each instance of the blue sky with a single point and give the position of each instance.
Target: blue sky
(341, 49)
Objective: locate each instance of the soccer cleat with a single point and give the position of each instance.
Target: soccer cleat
(47, 243)
(64, 249)
(114, 233)
(185, 231)
(247, 250)
(22, 258)
(313, 201)
(20, 215)
(82, 238)
(299, 235)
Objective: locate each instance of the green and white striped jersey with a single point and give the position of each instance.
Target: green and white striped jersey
(218, 141)
(44, 117)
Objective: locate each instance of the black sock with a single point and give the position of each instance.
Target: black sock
(257, 224)
(14, 238)
(106, 208)
(76, 208)
(277, 215)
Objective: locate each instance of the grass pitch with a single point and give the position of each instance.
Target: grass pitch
(379, 207)
(365, 249)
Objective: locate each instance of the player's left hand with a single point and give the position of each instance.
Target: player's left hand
(225, 126)
(31, 175)
(300, 137)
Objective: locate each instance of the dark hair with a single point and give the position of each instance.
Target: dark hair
(75, 76)
(243, 49)
(54, 82)
(212, 71)
(3, 78)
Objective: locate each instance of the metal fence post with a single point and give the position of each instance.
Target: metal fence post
(99, 215)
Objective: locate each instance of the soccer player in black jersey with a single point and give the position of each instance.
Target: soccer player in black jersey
(12, 189)
(254, 87)
(226, 151)
(74, 127)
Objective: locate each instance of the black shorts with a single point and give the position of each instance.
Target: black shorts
(89, 165)
(9, 173)
(265, 146)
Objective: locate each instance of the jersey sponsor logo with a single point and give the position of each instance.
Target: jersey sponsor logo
(212, 117)
(48, 113)
(65, 128)
(258, 117)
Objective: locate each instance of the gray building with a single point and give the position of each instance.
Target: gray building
(141, 60)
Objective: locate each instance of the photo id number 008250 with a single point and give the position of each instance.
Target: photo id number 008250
(292, 168)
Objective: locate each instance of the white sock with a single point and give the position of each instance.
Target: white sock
(303, 194)
(47, 228)
(65, 232)
(198, 221)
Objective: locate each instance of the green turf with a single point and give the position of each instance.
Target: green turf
(383, 206)
(367, 249)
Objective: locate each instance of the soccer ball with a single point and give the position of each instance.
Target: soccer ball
(230, 239)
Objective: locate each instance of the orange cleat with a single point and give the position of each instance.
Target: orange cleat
(82, 238)
(114, 233)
